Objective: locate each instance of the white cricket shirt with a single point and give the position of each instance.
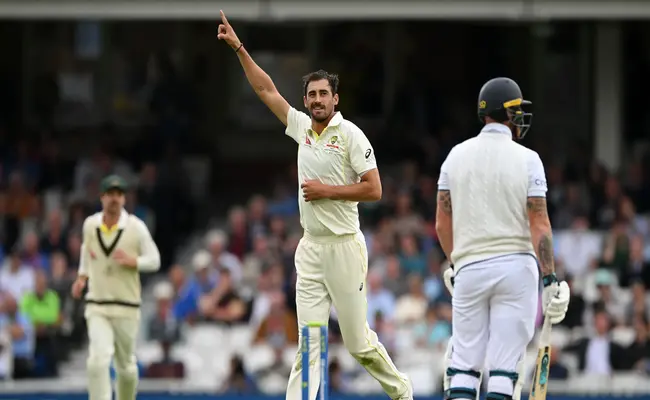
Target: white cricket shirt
(490, 178)
(340, 155)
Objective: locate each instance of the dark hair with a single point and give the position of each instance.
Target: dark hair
(320, 75)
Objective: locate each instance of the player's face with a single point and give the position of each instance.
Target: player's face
(113, 200)
(320, 101)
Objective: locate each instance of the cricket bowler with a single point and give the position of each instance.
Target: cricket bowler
(337, 169)
(493, 226)
(116, 247)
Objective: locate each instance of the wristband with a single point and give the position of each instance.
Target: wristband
(549, 279)
(241, 44)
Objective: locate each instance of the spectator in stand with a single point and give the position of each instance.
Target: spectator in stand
(239, 240)
(43, 309)
(16, 278)
(22, 337)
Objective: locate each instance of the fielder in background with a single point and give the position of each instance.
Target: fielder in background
(337, 169)
(116, 247)
(499, 223)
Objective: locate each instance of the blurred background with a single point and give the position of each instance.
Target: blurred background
(144, 89)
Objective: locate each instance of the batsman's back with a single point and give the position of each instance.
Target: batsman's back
(489, 178)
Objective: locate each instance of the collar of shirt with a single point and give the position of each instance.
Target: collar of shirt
(335, 121)
(121, 223)
(496, 128)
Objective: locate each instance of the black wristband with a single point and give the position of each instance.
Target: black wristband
(241, 44)
(549, 279)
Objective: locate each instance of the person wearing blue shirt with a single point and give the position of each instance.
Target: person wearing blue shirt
(22, 334)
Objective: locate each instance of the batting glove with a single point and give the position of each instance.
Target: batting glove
(448, 277)
(555, 298)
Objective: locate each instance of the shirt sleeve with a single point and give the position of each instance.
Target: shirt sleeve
(443, 179)
(362, 155)
(149, 259)
(83, 256)
(297, 123)
(536, 177)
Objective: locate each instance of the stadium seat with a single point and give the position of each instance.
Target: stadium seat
(239, 339)
(289, 355)
(258, 358)
(204, 336)
(149, 352)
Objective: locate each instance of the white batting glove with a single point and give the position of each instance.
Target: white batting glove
(448, 277)
(555, 299)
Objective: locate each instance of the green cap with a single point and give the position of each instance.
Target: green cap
(113, 182)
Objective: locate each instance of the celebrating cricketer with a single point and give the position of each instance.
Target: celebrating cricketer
(337, 169)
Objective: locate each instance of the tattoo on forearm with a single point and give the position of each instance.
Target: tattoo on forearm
(537, 206)
(545, 253)
(444, 201)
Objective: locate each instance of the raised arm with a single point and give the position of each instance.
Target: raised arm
(258, 79)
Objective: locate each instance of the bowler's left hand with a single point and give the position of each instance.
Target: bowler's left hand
(315, 190)
(124, 259)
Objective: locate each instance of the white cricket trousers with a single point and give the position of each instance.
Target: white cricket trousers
(332, 270)
(494, 312)
(112, 338)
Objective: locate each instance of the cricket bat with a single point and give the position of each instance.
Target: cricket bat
(540, 377)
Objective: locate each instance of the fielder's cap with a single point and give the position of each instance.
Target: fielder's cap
(113, 182)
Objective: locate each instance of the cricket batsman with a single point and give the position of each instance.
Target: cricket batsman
(116, 247)
(493, 226)
(337, 169)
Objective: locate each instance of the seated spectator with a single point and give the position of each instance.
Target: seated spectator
(6, 355)
(411, 259)
(239, 382)
(637, 267)
(606, 295)
(394, 280)
(186, 295)
(379, 299)
(223, 304)
(55, 237)
(166, 367)
(43, 308)
(279, 327)
(639, 351)
(22, 337)
(385, 330)
(434, 287)
(31, 254)
(433, 332)
(578, 248)
(412, 306)
(221, 257)
(639, 307)
(16, 278)
(556, 369)
(598, 355)
(163, 326)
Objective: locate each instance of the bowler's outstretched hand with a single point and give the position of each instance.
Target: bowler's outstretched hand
(227, 34)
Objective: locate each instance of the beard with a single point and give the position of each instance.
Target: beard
(322, 117)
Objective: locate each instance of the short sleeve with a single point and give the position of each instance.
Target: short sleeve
(362, 155)
(297, 123)
(443, 179)
(536, 177)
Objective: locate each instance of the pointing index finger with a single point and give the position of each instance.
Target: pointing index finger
(223, 18)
